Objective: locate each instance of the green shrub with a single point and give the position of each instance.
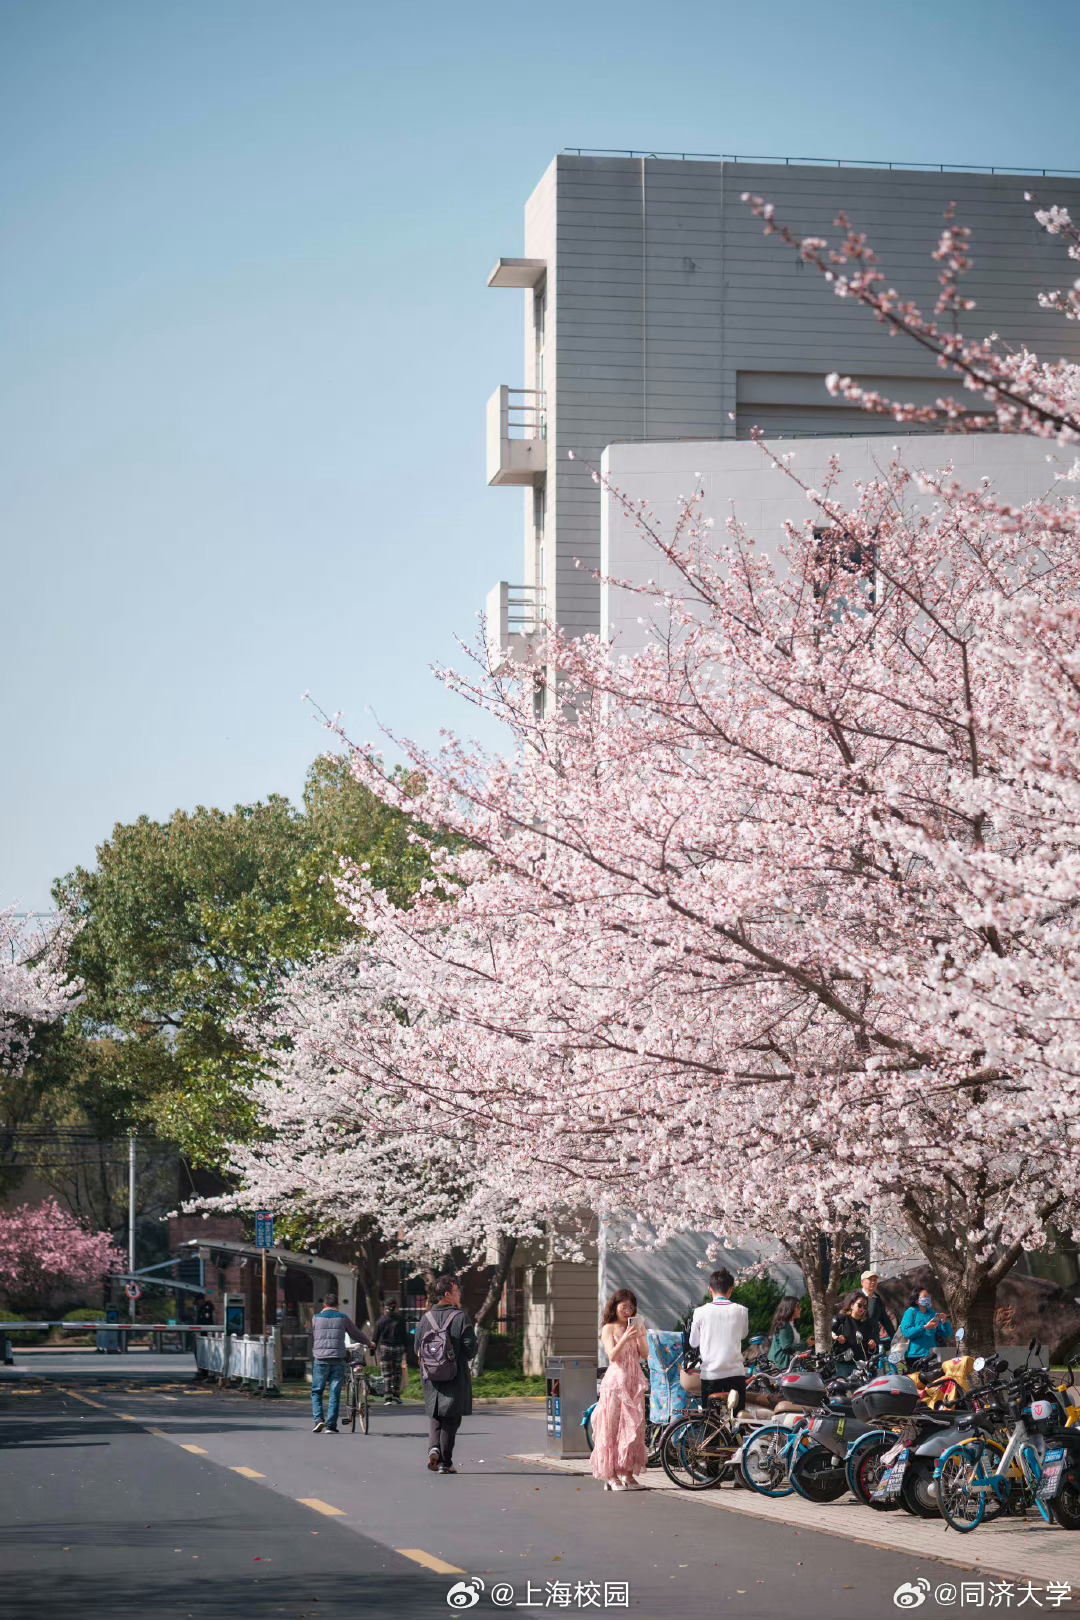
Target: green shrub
(20, 1340)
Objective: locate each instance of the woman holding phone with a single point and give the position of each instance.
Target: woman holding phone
(924, 1326)
(619, 1453)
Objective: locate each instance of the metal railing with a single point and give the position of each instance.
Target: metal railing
(526, 413)
(814, 162)
(524, 609)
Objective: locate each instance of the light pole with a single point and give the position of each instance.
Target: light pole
(131, 1217)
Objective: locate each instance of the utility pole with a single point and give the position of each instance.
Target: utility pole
(131, 1217)
(265, 1325)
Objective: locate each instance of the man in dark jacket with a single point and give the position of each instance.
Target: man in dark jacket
(447, 1401)
(328, 1330)
(390, 1340)
(876, 1314)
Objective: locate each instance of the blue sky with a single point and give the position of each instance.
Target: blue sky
(247, 341)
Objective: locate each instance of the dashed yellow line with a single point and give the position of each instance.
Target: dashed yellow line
(248, 1473)
(200, 1451)
(429, 1561)
(321, 1507)
(159, 1432)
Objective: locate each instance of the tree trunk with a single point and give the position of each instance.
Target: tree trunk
(368, 1269)
(820, 1264)
(496, 1284)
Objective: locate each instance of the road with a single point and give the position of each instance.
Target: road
(123, 1497)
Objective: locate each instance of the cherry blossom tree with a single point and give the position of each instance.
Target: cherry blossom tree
(43, 1247)
(33, 987)
(779, 917)
(794, 848)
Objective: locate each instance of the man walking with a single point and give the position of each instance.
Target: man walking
(390, 1341)
(445, 1344)
(329, 1328)
(717, 1331)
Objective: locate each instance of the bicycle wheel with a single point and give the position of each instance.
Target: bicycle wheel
(363, 1402)
(696, 1454)
(765, 1460)
(818, 1475)
(654, 1436)
(350, 1396)
(962, 1505)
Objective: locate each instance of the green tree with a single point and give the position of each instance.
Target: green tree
(189, 924)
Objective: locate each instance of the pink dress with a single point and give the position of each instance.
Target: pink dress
(618, 1423)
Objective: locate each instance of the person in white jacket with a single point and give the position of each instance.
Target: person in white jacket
(718, 1330)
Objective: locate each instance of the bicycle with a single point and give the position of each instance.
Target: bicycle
(361, 1383)
(697, 1452)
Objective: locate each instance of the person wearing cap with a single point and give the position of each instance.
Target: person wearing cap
(877, 1317)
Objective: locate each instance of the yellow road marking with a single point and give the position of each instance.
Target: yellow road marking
(200, 1451)
(248, 1473)
(127, 1417)
(429, 1561)
(159, 1432)
(321, 1507)
(84, 1398)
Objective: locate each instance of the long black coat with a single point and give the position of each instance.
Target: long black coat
(453, 1399)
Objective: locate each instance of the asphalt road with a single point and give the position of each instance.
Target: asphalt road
(104, 1512)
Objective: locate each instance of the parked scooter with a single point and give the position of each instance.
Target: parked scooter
(1039, 1461)
(819, 1472)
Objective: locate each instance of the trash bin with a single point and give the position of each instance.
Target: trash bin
(571, 1387)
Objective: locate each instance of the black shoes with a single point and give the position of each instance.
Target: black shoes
(331, 1428)
(434, 1460)
(319, 1427)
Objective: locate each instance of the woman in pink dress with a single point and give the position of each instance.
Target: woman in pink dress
(618, 1423)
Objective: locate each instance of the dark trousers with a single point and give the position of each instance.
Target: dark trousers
(720, 1386)
(443, 1433)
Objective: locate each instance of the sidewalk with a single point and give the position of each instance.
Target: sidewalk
(1016, 1549)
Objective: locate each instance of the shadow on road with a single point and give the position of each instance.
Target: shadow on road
(242, 1597)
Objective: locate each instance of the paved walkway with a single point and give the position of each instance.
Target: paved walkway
(1016, 1549)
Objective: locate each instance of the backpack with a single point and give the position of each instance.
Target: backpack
(435, 1352)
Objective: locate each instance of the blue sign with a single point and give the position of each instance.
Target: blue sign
(264, 1229)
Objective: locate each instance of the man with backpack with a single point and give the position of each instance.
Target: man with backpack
(445, 1344)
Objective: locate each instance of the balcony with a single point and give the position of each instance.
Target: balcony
(516, 436)
(515, 620)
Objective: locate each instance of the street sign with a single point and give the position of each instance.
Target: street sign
(133, 1290)
(264, 1229)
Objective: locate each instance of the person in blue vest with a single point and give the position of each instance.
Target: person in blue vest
(923, 1326)
(328, 1330)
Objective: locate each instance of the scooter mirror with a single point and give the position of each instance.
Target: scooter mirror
(961, 1335)
(980, 1363)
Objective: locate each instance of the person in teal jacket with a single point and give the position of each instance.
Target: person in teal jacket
(924, 1327)
(785, 1332)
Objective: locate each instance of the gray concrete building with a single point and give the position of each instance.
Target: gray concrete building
(655, 309)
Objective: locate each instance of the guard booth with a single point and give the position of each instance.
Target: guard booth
(571, 1387)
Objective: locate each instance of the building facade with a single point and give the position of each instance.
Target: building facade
(656, 310)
